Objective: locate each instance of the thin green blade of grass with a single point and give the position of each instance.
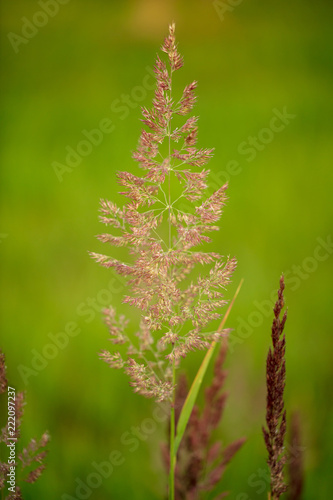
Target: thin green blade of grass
(193, 392)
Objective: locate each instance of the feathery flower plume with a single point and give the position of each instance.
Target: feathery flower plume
(29, 457)
(162, 242)
(275, 414)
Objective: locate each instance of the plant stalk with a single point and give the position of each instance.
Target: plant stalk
(172, 439)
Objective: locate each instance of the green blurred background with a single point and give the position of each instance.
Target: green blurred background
(67, 77)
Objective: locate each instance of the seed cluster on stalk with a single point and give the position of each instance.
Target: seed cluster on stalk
(276, 418)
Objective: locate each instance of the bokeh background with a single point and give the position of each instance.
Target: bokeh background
(68, 72)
